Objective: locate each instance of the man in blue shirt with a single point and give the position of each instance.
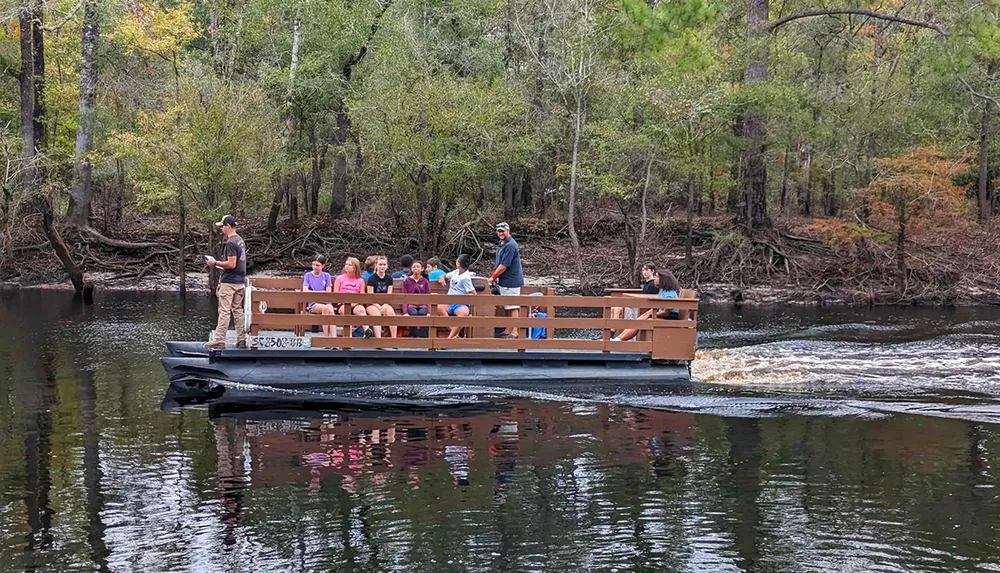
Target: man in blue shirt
(508, 274)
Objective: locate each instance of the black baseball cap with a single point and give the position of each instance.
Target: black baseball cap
(227, 220)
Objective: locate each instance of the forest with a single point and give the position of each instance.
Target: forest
(841, 148)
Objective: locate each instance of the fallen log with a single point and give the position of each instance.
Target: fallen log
(118, 244)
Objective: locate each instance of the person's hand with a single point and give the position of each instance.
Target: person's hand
(494, 277)
(210, 261)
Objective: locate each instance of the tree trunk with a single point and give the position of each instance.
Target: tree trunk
(525, 191)
(293, 198)
(314, 186)
(80, 194)
(688, 259)
(38, 44)
(61, 250)
(339, 201)
(542, 203)
(27, 93)
(571, 214)
(508, 192)
(985, 209)
(805, 179)
(182, 239)
(286, 135)
(214, 250)
(631, 252)
(318, 163)
(306, 196)
(752, 126)
(279, 194)
(733, 194)
(784, 183)
(700, 195)
(901, 243)
(644, 222)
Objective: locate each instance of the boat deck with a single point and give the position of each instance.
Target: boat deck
(661, 351)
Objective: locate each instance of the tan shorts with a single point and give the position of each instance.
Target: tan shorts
(511, 291)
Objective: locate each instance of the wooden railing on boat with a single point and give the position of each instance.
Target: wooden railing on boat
(661, 339)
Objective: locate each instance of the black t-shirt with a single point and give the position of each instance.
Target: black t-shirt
(235, 247)
(380, 285)
(649, 287)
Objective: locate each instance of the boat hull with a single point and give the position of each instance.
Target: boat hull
(315, 368)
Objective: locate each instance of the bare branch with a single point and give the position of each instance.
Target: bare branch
(856, 11)
(995, 101)
(69, 16)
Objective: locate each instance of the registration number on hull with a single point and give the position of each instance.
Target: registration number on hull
(279, 342)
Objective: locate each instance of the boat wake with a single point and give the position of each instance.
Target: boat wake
(954, 362)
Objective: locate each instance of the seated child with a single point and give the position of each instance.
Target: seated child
(537, 332)
(434, 271)
(319, 281)
(459, 282)
(350, 282)
(416, 284)
(381, 283)
(669, 287)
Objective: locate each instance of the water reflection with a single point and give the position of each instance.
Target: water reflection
(38, 459)
(94, 476)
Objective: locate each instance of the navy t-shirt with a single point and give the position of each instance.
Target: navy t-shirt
(380, 285)
(650, 287)
(235, 247)
(509, 256)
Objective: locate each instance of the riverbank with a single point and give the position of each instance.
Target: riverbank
(709, 293)
(807, 262)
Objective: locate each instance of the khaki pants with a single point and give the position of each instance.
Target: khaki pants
(231, 306)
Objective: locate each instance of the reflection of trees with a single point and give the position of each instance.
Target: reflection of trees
(744, 474)
(38, 458)
(92, 474)
(232, 480)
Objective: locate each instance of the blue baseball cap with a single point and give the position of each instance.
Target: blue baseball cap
(227, 220)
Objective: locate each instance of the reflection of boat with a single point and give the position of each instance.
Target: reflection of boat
(237, 397)
(661, 351)
(461, 442)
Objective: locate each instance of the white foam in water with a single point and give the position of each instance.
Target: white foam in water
(950, 362)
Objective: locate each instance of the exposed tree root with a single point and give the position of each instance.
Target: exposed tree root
(94, 234)
(951, 266)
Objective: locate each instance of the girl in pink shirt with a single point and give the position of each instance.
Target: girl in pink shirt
(350, 282)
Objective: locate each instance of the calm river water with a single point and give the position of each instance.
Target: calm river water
(811, 440)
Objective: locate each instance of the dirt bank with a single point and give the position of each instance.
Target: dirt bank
(800, 262)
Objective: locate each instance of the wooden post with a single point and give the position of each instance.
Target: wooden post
(606, 332)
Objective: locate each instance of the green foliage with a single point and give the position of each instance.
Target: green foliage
(195, 149)
(651, 30)
(428, 110)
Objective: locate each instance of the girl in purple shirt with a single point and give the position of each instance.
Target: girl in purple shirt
(319, 281)
(417, 284)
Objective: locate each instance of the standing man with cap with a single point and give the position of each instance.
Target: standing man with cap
(508, 274)
(232, 285)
